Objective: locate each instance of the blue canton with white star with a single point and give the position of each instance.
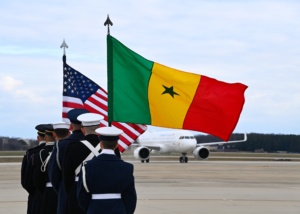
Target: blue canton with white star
(77, 85)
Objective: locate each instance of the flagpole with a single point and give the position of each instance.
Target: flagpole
(64, 58)
(108, 22)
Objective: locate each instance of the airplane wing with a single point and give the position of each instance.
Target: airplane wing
(156, 148)
(223, 142)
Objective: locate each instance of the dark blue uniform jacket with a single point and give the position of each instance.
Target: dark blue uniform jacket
(55, 171)
(107, 174)
(49, 197)
(27, 170)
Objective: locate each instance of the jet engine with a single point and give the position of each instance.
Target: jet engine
(141, 153)
(201, 153)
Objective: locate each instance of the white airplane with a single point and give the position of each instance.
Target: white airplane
(174, 141)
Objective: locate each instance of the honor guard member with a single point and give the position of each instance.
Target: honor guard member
(106, 183)
(78, 152)
(61, 131)
(41, 179)
(34, 196)
(56, 160)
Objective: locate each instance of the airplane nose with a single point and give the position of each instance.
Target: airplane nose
(187, 145)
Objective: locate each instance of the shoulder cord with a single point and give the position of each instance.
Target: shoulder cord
(84, 179)
(91, 147)
(57, 156)
(44, 163)
(94, 152)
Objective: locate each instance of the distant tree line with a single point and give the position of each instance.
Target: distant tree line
(259, 142)
(16, 144)
(255, 142)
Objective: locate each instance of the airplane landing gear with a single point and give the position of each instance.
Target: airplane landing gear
(183, 158)
(147, 160)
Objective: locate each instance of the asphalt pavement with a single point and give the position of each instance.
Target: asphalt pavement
(210, 187)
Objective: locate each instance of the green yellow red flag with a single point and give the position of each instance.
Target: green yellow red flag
(145, 92)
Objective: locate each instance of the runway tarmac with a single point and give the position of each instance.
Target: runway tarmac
(210, 187)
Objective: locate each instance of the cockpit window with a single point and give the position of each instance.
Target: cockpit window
(186, 137)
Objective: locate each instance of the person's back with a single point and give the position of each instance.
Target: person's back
(42, 182)
(27, 170)
(75, 154)
(61, 134)
(115, 178)
(106, 184)
(40, 175)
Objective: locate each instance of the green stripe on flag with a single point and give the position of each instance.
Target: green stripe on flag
(128, 78)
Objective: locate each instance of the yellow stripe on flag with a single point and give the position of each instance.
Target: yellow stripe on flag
(168, 111)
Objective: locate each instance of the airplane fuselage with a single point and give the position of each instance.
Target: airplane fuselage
(176, 141)
(169, 141)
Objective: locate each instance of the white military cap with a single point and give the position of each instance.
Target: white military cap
(109, 133)
(90, 119)
(61, 125)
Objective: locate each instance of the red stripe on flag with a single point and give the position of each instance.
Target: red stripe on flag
(100, 95)
(64, 115)
(98, 104)
(72, 105)
(121, 149)
(127, 131)
(138, 128)
(216, 107)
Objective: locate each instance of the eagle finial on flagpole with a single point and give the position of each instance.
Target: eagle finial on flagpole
(64, 46)
(108, 22)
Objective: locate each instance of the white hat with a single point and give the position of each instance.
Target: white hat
(109, 133)
(90, 119)
(61, 125)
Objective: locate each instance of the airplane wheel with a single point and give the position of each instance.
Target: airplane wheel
(181, 160)
(186, 159)
(142, 161)
(147, 160)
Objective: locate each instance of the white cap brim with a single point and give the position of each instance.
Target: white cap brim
(109, 131)
(90, 119)
(61, 125)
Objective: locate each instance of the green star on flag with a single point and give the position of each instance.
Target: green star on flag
(169, 91)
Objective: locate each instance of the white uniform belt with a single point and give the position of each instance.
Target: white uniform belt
(107, 196)
(48, 184)
(76, 178)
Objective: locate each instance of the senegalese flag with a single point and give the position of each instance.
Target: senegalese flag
(145, 92)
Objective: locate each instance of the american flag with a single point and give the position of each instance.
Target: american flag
(81, 92)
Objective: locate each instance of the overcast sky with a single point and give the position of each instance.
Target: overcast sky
(253, 42)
